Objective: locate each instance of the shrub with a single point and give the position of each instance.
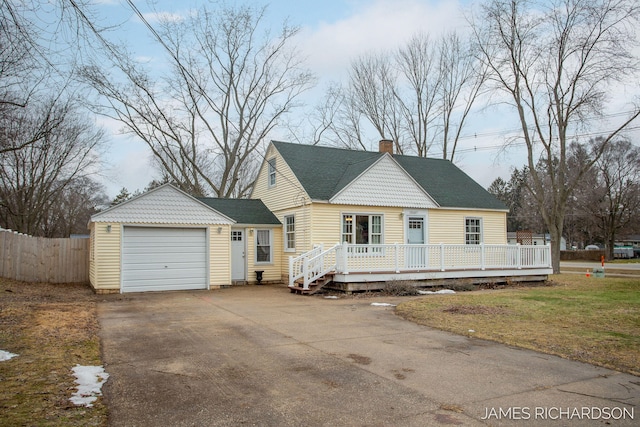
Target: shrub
(400, 288)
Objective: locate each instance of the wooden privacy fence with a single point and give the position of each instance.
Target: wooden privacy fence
(39, 259)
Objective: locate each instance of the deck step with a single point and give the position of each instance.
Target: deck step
(314, 286)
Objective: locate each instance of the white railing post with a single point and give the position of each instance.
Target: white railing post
(482, 256)
(345, 257)
(290, 271)
(519, 257)
(397, 257)
(548, 255)
(305, 270)
(441, 256)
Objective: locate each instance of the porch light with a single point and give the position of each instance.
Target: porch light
(108, 228)
(219, 230)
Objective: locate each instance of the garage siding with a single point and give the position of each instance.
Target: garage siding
(160, 259)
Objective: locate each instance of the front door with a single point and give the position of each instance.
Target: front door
(238, 255)
(416, 257)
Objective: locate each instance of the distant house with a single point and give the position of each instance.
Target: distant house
(533, 239)
(316, 215)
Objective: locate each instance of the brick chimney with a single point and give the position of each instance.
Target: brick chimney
(386, 146)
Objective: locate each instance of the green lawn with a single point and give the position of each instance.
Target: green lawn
(593, 320)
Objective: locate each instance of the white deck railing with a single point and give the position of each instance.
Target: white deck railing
(346, 258)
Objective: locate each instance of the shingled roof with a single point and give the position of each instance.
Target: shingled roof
(243, 211)
(324, 171)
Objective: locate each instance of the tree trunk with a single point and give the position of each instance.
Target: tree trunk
(555, 233)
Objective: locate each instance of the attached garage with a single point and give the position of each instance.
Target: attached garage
(167, 240)
(163, 259)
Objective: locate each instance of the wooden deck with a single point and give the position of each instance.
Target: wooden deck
(368, 267)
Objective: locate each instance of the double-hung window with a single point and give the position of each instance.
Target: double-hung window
(272, 172)
(473, 231)
(264, 248)
(289, 233)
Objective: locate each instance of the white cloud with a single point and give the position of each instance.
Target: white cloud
(377, 26)
(153, 17)
(142, 59)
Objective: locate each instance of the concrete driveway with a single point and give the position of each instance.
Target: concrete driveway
(258, 355)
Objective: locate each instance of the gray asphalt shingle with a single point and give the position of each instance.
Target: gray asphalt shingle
(323, 171)
(243, 211)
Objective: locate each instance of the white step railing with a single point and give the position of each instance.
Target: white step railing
(347, 258)
(312, 265)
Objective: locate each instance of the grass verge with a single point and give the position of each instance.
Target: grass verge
(51, 328)
(593, 320)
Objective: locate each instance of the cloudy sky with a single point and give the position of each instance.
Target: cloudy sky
(333, 33)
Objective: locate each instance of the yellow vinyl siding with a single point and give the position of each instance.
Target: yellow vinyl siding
(106, 257)
(92, 246)
(272, 270)
(219, 256)
(105, 265)
(286, 193)
(302, 235)
(327, 222)
(448, 226)
(495, 228)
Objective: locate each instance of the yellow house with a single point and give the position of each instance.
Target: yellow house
(316, 215)
(166, 239)
(382, 213)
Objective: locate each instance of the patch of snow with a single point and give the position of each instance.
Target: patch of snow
(5, 355)
(471, 330)
(382, 304)
(441, 291)
(90, 380)
(331, 297)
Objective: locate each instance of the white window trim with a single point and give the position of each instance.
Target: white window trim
(271, 172)
(481, 232)
(356, 214)
(255, 245)
(286, 240)
(406, 215)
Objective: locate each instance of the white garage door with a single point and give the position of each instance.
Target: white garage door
(162, 259)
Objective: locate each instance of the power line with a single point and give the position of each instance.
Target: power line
(518, 144)
(476, 135)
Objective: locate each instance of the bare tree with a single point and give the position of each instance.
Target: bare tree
(556, 62)
(420, 106)
(618, 195)
(34, 176)
(41, 42)
(16, 57)
(371, 93)
(419, 96)
(230, 85)
(73, 207)
(336, 118)
(462, 77)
